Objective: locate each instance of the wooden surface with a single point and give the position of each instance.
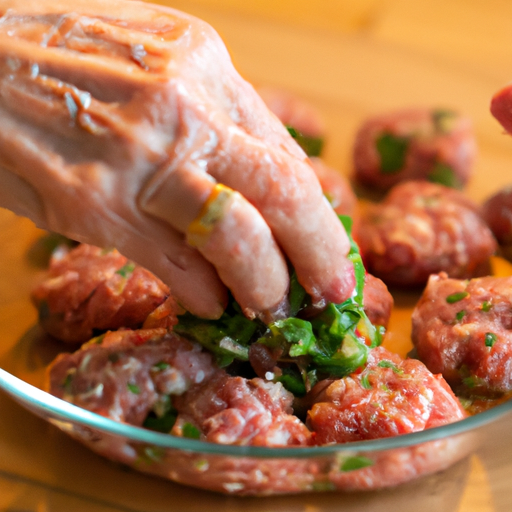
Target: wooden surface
(351, 59)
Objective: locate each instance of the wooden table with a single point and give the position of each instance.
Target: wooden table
(351, 59)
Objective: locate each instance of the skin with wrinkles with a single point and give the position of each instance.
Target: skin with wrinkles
(119, 119)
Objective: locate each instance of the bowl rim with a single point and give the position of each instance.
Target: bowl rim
(52, 408)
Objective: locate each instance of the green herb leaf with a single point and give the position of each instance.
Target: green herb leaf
(312, 146)
(161, 424)
(133, 388)
(443, 120)
(126, 270)
(490, 339)
(486, 306)
(292, 380)
(162, 365)
(68, 380)
(456, 297)
(392, 150)
(353, 463)
(444, 175)
(365, 381)
(228, 337)
(389, 364)
(460, 315)
(296, 296)
(190, 431)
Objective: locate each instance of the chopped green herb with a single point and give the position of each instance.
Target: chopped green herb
(150, 454)
(389, 364)
(323, 486)
(460, 315)
(228, 337)
(133, 388)
(392, 150)
(161, 423)
(443, 120)
(353, 463)
(456, 297)
(292, 381)
(444, 175)
(486, 306)
(162, 365)
(126, 270)
(296, 296)
(490, 339)
(472, 381)
(202, 464)
(336, 341)
(312, 146)
(190, 431)
(365, 381)
(66, 384)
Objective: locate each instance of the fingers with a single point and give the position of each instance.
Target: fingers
(194, 282)
(228, 231)
(287, 193)
(73, 198)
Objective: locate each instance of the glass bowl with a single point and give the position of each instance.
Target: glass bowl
(242, 470)
(248, 470)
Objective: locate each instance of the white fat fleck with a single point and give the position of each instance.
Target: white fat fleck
(234, 486)
(116, 411)
(129, 451)
(85, 362)
(131, 363)
(259, 476)
(199, 376)
(171, 382)
(96, 391)
(278, 438)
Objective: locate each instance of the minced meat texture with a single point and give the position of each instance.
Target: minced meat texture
(235, 410)
(423, 228)
(414, 144)
(127, 374)
(88, 289)
(464, 331)
(389, 397)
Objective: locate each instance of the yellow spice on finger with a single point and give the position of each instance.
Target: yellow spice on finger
(211, 213)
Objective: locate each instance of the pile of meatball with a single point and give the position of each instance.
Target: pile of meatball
(124, 361)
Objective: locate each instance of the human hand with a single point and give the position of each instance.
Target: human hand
(125, 124)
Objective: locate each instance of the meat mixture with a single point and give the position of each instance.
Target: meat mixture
(414, 144)
(462, 330)
(422, 228)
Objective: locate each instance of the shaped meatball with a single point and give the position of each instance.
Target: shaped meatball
(429, 144)
(391, 396)
(126, 375)
(497, 212)
(89, 289)
(463, 330)
(423, 228)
